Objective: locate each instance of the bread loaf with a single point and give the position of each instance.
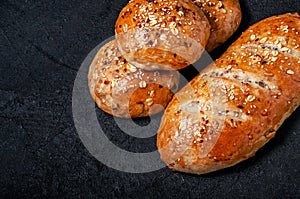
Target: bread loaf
(123, 90)
(236, 105)
(224, 17)
(161, 34)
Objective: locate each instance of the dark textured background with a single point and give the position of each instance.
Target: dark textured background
(42, 46)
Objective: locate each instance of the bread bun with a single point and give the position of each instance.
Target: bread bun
(161, 34)
(236, 105)
(224, 17)
(123, 90)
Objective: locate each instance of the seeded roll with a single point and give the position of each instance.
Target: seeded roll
(224, 17)
(236, 105)
(161, 34)
(122, 90)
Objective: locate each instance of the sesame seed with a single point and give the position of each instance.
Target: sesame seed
(275, 53)
(131, 68)
(281, 67)
(273, 59)
(290, 72)
(279, 45)
(172, 25)
(269, 74)
(263, 40)
(142, 84)
(153, 23)
(175, 31)
(180, 13)
(151, 93)
(163, 37)
(149, 101)
(229, 67)
(250, 98)
(252, 37)
(125, 27)
(285, 49)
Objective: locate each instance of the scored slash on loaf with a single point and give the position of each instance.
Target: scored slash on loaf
(235, 106)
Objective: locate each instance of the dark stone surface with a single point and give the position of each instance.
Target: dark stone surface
(41, 155)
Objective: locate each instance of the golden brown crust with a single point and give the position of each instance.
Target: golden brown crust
(123, 90)
(224, 17)
(236, 105)
(159, 34)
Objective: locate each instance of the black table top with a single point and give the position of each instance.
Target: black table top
(43, 44)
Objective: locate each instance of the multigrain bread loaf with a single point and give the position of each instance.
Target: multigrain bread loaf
(236, 105)
(224, 17)
(123, 90)
(159, 34)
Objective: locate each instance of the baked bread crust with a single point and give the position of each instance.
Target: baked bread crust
(236, 105)
(162, 34)
(123, 90)
(224, 17)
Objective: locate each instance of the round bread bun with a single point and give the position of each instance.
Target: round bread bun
(162, 34)
(224, 17)
(123, 90)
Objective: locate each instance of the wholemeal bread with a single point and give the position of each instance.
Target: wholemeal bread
(236, 105)
(123, 90)
(224, 17)
(161, 34)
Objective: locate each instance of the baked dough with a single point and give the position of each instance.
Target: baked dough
(162, 34)
(123, 90)
(224, 17)
(236, 105)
